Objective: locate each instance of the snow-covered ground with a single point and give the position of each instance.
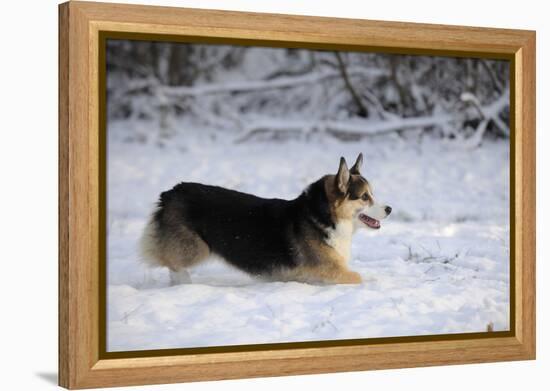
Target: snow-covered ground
(439, 264)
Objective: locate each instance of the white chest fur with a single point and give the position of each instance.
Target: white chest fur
(340, 238)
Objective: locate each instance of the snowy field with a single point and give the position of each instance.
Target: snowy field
(439, 264)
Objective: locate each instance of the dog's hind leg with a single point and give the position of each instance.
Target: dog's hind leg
(182, 251)
(175, 247)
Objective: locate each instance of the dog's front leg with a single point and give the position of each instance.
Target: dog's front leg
(349, 277)
(329, 272)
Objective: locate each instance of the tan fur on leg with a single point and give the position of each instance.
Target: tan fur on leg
(328, 273)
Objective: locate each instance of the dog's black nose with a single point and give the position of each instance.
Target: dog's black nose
(388, 210)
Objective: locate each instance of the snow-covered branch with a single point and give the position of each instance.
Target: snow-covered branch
(249, 86)
(366, 128)
(488, 113)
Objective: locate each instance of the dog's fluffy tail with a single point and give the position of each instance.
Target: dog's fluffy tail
(149, 243)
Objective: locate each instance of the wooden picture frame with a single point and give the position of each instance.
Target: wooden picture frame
(82, 28)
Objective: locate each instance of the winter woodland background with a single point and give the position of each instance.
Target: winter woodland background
(435, 134)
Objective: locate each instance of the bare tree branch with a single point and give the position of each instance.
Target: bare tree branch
(363, 111)
(498, 86)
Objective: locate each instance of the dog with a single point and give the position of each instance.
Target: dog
(307, 239)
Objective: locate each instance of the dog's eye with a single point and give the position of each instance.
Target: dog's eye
(365, 197)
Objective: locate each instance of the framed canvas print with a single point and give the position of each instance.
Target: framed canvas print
(258, 195)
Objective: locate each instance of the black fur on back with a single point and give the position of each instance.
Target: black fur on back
(257, 235)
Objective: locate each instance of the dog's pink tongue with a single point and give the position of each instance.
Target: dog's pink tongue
(372, 223)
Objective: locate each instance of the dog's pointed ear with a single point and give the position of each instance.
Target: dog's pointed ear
(342, 177)
(357, 166)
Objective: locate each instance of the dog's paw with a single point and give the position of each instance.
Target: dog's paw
(179, 277)
(350, 277)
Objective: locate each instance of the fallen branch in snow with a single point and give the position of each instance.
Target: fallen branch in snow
(343, 128)
(359, 128)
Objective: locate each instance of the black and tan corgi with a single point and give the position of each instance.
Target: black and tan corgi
(306, 239)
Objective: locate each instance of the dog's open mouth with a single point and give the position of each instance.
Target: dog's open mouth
(369, 221)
